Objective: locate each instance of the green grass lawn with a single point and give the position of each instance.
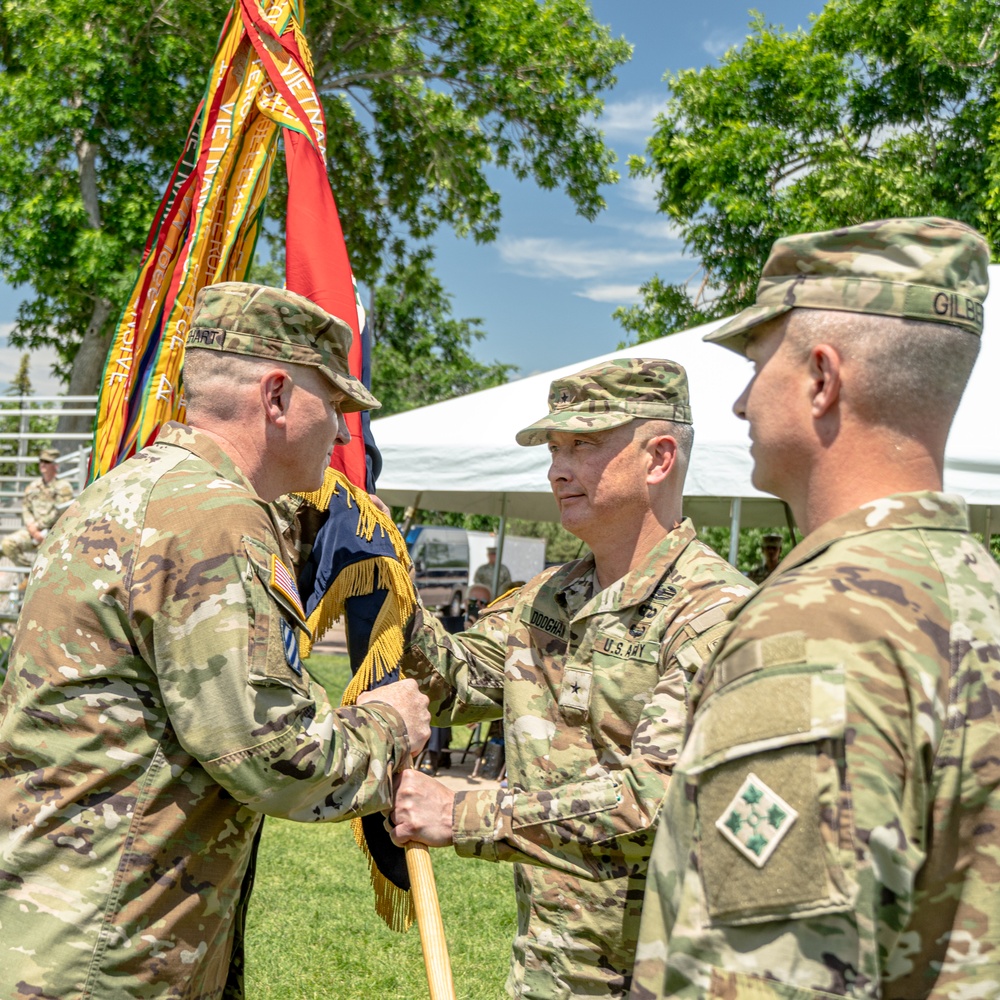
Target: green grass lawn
(312, 931)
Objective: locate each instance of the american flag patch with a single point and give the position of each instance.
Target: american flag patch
(284, 583)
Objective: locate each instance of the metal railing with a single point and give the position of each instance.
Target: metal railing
(20, 417)
(73, 446)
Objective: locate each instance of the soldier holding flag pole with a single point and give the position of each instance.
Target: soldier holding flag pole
(156, 706)
(203, 236)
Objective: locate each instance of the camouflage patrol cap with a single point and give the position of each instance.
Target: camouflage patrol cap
(263, 322)
(611, 394)
(48, 455)
(925, 269)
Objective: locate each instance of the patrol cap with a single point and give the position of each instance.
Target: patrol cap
(48, 455)
(264, 322)
(924, 269)
(772, 537)
(611, 394)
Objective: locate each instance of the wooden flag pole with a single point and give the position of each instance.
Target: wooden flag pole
(428, 910)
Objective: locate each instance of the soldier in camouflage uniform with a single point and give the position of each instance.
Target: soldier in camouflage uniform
(484, 574)
(44, 500)
(587, 665)
(834, 811)
(770, 550)
(156, 707)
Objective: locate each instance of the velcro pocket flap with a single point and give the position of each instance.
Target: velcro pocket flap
(560, 807)
(764, 696)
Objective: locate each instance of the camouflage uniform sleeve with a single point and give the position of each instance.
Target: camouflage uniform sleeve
(571, 827)
(462, 675)
(28, 516)
(222, 636)
(807, 780)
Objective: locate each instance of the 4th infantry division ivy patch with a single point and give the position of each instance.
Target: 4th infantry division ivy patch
(756, 820)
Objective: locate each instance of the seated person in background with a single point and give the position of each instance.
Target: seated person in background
(44, 500)
(484, 575)
(479, 597)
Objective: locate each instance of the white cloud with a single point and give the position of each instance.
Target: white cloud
(43, 383)
(642, 192)
(651, 229)
(541, 257)
(631, 119)
(619, 295)
(721, 40)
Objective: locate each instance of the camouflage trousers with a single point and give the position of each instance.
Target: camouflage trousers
(19, 547)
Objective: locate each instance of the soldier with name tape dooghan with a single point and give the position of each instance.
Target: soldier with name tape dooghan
(588, 666)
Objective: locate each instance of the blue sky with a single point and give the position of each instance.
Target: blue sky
(547, 287)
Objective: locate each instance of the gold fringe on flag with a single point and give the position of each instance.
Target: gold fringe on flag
(385, 648)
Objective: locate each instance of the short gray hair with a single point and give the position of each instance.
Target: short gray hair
(908, 371)
(683, 434)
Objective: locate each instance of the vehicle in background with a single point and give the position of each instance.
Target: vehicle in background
(440, 557)
(524, 557)
(445, 561)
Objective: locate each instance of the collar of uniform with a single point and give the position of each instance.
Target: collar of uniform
(926, 510)
(194, 441)
(639, 584)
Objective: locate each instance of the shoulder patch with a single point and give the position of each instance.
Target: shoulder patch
(283, 582)
(290, 643)
(756, 820)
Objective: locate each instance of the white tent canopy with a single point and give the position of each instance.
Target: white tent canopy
(460, 455)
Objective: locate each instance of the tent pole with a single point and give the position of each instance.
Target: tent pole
(734, 529)
(501, 532)
(987, 532)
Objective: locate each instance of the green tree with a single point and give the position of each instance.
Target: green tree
(885, 108)
(423, 98)
(420, 353)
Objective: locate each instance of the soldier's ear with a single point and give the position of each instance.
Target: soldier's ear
(824, 374)
(275, 394)
(662, 452)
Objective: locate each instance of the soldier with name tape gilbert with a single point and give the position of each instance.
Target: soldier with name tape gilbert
(834, 812)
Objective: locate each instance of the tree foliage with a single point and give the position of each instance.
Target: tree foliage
(420, 352)
(423, 98)
(885, 108)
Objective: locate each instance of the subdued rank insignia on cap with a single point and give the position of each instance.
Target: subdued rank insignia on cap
(564, 396)
(756, 820)
(283, 582)
(291, 643)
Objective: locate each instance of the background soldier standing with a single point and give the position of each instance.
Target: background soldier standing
(156, 707)
(834, 812)
(588, 666)
(44, 500)
(484, 574)
(770, 550)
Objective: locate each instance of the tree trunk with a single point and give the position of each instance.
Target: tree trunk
(88, 365)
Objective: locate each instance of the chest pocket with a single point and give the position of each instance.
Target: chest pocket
(764, 763)
(277, 619)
